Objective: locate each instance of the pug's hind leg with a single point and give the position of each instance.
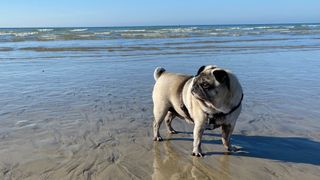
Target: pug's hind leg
(226, 134)
(159, 115)
(168, 119)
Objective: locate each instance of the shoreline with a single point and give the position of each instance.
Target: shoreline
(164, 25)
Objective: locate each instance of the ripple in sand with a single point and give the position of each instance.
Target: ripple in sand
(26, 124)
(22, 123)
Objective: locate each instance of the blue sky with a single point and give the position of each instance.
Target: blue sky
(40, 13)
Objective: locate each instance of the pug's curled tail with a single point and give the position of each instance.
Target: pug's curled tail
(157, 72)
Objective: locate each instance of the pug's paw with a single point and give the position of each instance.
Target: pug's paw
(233, 149)
(173, 132)
(198, 154)
(159, 138)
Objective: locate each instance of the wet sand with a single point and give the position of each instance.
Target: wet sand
(91, 119)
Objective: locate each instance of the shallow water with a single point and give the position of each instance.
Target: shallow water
(282, 89)
(82, 105)
(157, 41)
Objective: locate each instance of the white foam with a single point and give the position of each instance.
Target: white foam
(234, 28)
(213, 33)
(5, 33)
(220, 29)
(78, 30)
(247, 28)
(102, 33)
(263, 27)
(85, 35)
(23, 34)
(290, 27)
(178, 30)
(49, 37)
(279, 29)
(131, 30)
(45, 30)
(144, 35)
(311, 25)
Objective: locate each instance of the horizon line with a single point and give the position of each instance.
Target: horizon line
(165, 25)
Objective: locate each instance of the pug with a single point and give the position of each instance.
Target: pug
(211, 98)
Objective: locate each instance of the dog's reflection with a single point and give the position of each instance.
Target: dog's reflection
(170, 164)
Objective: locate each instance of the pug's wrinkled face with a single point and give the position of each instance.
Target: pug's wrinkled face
(211, 84)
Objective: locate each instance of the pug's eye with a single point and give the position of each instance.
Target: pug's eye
(205, 85)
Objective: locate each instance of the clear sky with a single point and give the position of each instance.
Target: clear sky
(41, 13)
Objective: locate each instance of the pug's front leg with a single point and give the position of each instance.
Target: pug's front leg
(227, 130)
(197, 136)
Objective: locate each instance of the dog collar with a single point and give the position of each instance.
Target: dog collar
(219, 115)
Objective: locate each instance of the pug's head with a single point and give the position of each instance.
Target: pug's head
(211, 86)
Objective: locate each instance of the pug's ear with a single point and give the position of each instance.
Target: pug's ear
(201, 69)
(222, 77)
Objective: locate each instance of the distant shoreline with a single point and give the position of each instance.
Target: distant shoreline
(168, 25)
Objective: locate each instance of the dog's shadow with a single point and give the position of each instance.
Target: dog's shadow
(287, 149)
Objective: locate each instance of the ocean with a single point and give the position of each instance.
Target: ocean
(144, 41)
